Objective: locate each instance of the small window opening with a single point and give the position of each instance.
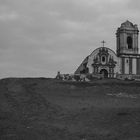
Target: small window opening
(127, 61)
(103, 59)
(129, 42)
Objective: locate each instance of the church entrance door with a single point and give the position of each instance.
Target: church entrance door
(104, 72)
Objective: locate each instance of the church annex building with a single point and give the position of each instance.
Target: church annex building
(126, 60)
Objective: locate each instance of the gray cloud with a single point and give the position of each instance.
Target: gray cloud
(38, 38)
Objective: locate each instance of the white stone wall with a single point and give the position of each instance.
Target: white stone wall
(126, 65)
(90, 60)
(134, 66)
(90, 69)
(118, 70)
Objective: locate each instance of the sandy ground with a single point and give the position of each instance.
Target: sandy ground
(48, 109)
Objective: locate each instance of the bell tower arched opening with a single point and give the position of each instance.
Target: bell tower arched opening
(130, 42)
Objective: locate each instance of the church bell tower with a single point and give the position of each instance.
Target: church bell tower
(127, 39)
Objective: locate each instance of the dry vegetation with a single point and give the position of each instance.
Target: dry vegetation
(47, 109)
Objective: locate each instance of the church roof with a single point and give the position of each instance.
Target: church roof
(102, 49)
(128, 24)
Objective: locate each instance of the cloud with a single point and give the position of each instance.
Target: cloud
(8, 16)
(42, 37)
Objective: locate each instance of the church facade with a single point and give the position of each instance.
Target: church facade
(126, 60)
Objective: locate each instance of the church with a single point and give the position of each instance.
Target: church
(125, 62)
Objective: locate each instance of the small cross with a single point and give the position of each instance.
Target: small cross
(103, 42)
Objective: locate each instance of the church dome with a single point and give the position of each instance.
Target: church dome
(128, 24)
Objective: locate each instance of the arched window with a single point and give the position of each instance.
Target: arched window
(103, 58)
(129, 42)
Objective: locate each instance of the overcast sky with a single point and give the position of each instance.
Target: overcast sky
(41, 37)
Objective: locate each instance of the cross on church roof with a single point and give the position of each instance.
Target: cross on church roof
(103, 42)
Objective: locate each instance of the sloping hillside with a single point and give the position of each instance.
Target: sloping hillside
(47, 109)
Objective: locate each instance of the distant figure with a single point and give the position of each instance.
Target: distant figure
(58, 73)
(58, 76)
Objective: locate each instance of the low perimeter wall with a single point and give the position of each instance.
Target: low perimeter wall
(128, 77)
